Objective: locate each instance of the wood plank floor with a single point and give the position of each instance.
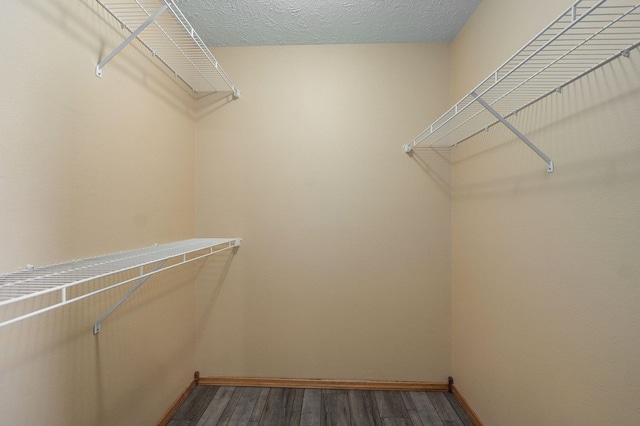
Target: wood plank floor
(226, 405)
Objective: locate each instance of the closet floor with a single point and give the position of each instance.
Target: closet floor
(226, 405)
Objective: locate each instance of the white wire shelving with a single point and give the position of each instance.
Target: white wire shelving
(45, 288)
(162, 28)
(588, 35)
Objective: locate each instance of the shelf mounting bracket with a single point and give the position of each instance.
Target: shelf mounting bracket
(515, 131)
(129, 39)
(97, 325)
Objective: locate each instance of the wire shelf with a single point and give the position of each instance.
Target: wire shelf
(172, 39)
(588, 35)
(52, 283)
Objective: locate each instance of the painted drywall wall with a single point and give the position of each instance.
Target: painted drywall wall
(90, 166)
(345, 267)
(546, 325)
(87, 159)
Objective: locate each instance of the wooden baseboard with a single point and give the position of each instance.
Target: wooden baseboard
(177, 403)
(324, 384)
(472, 414)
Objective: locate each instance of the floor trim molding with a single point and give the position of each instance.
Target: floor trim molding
(166, 418)
(324, 384)
(472, 414)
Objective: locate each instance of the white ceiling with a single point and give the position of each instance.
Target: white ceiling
(290, 22)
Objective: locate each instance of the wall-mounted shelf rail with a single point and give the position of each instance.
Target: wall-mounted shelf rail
(37, 290)
(588, 35)
(162, 28)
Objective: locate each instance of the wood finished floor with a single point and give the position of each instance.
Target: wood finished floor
(225, 405)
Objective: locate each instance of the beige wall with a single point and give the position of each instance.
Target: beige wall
(546, 325)
(345, 267)
(347, 262)
(91, 166)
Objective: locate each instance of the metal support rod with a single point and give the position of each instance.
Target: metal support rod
(129, 39)
(96, 326)
(515, 131)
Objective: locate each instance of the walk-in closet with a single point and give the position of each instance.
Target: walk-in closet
(319, 212)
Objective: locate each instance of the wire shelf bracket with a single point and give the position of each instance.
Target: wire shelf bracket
(98, 325)
(129, 39)
(50, 287)
(515, 131)
(587, 36)
(162, 28)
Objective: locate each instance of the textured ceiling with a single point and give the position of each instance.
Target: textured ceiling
(289, 22)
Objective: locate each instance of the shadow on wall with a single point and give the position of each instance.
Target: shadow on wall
(210, 103)
(436, 163)
(55, 362)
(574, 128)
(207, 295)
(603, 171)
(148, 333)
(93, 27)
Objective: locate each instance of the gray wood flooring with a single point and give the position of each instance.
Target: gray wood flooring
(225, 405)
